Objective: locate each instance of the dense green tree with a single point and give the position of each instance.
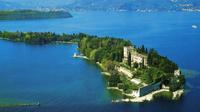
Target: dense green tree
(135, 65)
(181, 79)
(39, 37)
(142, 50)
(163, 63)
(109, 65)
(127, 85)
(114, 80)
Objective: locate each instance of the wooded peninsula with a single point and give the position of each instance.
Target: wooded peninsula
(140, 74)
(32, 14)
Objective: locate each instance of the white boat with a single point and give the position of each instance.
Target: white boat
(194, 26)
(75, 55)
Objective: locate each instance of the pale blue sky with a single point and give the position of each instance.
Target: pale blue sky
(40, 2)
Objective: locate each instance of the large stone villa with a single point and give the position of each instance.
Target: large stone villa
(138, 58)
(135, 56)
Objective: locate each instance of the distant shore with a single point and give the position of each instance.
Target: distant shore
(19, 105)
(32, 14)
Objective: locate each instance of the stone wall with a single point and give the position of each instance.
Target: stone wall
(150, 88)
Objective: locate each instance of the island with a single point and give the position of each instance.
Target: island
(140, 74)
(32, 14)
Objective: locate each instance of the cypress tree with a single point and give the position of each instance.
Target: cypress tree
(129, 59)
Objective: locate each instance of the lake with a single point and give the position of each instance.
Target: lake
(48, 74)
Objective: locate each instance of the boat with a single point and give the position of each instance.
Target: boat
(75, 55)
(194, 26)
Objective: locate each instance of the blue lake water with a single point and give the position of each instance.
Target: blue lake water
(50, 75)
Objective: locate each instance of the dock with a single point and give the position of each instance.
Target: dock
(79, 56)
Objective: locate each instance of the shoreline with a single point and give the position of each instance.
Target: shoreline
(55, 42)
(19, 105)
(149, 97)
(64, 42)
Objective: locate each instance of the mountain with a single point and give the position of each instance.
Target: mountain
(116, 5)
(136, 5)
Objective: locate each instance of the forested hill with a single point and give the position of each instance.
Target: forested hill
(32, 14)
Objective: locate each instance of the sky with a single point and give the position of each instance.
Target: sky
(40, 2)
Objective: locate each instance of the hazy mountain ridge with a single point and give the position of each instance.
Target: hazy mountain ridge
(136, 5)
(116, 5)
